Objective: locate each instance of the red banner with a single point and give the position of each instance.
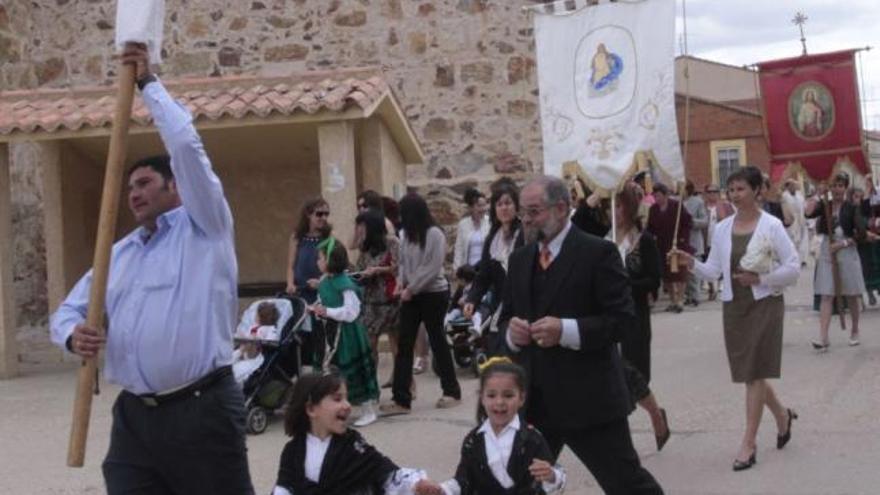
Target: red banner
(811, 112)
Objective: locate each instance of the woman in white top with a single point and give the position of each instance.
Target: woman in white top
(472, 230)
(754, 309)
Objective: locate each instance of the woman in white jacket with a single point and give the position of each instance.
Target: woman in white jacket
(472, 230)
(754, 309)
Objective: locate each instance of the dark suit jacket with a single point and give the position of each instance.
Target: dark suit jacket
(490, 274)
(587, 282)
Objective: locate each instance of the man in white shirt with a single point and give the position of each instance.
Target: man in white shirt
(178, 425)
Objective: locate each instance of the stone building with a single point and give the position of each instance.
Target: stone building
(463, 71)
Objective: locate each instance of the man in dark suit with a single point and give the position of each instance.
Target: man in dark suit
(565, 305)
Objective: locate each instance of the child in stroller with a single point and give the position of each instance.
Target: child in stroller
(267, 360)
(249, 355)
(467, 336)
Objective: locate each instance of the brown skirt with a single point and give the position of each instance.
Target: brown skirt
(753, 336)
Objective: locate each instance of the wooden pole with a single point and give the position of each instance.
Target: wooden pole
(673, 261)
(113, 175)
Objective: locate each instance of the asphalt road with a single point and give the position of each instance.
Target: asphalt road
(835, 447)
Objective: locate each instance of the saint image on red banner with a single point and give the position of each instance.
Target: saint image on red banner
(812, 114)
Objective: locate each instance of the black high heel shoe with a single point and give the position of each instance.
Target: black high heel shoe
(783, 439)
(662, 439)
(739, 465)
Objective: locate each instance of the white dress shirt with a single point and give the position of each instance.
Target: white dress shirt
(571, 337)
(350, 309)
(172, 296)
(498, 450)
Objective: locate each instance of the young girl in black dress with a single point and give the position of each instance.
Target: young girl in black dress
(326, 457)
(502, 456)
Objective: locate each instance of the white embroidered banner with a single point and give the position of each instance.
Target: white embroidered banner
(605, 74)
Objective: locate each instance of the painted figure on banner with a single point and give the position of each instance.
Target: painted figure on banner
(812, 111)
(606, 69)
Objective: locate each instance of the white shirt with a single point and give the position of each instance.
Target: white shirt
(498, 450)
(172, 297)
(316, 450)
(350, 309)
(462, 250)
(571, 337)
(475, 247)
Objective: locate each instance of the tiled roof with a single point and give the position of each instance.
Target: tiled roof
(212, 99)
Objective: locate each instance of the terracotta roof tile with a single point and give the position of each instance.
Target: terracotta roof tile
(207, 99)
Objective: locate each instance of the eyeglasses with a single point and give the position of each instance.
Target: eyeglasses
(321, 214)
(533, 211)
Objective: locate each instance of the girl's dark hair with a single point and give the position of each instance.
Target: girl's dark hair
(472, 196)
(504, 366)
(376, 233)
(308, 208)
(466, 273)
(500, 188)
(749, 174)
(629, 200)
(337, 257)
(372, 200)
(415, 218)
(309, 390)
(392, 211)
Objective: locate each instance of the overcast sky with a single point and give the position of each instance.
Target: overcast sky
(742, 32)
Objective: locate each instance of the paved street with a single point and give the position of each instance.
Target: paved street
(834, 450)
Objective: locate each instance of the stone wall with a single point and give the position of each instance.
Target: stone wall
(464, 71)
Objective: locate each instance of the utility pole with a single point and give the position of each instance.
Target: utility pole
(800, 19)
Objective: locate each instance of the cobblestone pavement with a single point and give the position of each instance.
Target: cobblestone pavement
(834, 450)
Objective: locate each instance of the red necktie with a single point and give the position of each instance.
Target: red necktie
(545, 258)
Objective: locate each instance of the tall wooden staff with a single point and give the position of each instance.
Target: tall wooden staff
(835, 265)
(135, 22)
(673, 260)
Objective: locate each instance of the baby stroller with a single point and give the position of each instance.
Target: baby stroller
(468, 337)
(267, 388)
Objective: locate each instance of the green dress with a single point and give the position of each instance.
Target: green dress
(353, 356)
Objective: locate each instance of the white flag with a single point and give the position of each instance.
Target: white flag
(607, 92)
(141, 21)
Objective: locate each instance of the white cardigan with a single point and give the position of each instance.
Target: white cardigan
(785, 272)
(465, 229)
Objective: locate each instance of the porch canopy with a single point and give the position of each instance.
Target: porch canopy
(274, 142)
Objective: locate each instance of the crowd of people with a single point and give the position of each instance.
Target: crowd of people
(567, 281)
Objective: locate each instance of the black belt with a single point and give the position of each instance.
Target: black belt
(193, 389)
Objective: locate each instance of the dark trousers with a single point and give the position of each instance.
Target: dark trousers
(429, 309)
(192, 445)
(607, 451)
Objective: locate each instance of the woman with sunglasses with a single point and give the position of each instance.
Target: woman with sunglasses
(302, 269)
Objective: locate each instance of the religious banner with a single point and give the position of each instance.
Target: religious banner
(606, 80)
(812, 114)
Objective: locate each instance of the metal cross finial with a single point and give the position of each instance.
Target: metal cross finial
(800, 19)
